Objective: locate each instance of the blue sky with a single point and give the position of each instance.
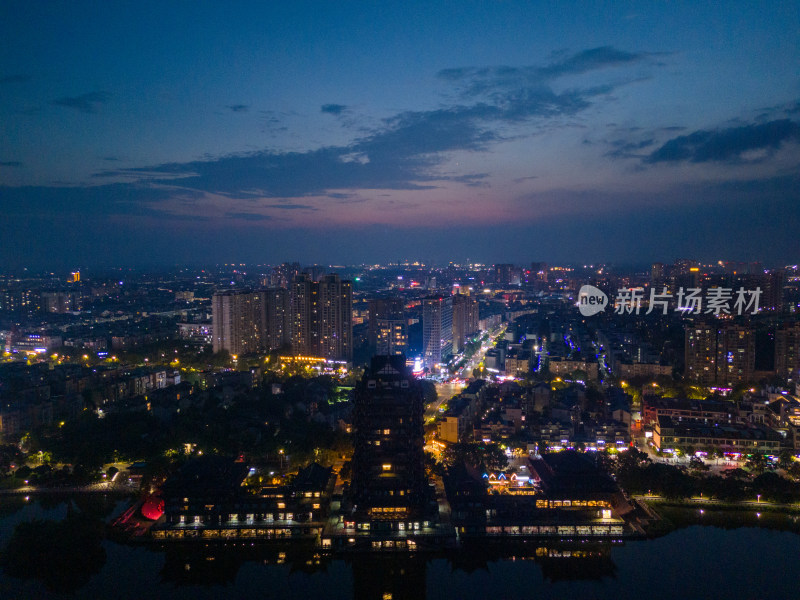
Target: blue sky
(145, 133)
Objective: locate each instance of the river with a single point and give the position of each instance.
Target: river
(754, 557)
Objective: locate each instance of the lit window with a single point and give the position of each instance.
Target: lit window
(387, 467)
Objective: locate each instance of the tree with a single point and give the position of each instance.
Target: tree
(737, 474)
(794, 470)
(429, 391)
(221, 359)
(697, 466)
(486, 456)
(757, 463)
(785, 459)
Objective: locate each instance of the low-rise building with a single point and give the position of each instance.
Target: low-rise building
(669, 434)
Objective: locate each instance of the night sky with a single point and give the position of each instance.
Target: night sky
(146, 133)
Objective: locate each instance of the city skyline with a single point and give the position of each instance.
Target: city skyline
(508, 131)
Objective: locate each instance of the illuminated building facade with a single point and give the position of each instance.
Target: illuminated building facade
(389, 486)
(321, 318)
(437, 330)
(236, 318)
(388, 326)
(722, 356)
(787, 352)
(465, 320)
(275, 317)
(701, 353)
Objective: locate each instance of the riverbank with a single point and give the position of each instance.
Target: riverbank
(677, 514)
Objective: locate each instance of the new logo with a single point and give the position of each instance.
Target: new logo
(591, 300)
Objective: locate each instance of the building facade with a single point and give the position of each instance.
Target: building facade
(237, 319)
(787, 352)
(388, 326)
(723, 356)
(388, 484)
(321, 317)
(437, 330)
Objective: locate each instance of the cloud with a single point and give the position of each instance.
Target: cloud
(86, 103)
(629, 149)
(406, 150)
(333, 109)
(238, 108)
(400, 154)
(290, 206)
(472, 179)
(118, 199)
(15, 79)
(10, 163)
(478, 81)
(731, 144)
(528, 178)
(248, 216)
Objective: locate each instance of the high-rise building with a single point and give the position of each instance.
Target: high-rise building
(506, 274)
(335, 318)
(465, 320)
(322, 317)
(736, 355)
(787, 352)
(389, 487)
(538, 272)
(657, 274)
(237, 321)
(701, 353)
(59, 302)
(316, 272)
(283, 275)
(437, 330)
(388, 326)
(723, 356)
(275, 317)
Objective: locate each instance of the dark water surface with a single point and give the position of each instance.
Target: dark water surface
(756, 557)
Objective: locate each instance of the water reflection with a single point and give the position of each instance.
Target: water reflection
(559, 561)
(378, 577)
(64, 555)
(381, 576)
(65, 547)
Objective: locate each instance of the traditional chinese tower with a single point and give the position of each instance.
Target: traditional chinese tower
(388, 483)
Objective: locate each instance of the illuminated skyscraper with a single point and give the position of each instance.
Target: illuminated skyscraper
(237, 319)
(437, 330)
(275, 317)
(723, 356)
(388, 328)
(787, 352)
(321, 322)
(465, 320)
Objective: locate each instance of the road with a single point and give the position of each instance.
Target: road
(444, 392)
(466, 371)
